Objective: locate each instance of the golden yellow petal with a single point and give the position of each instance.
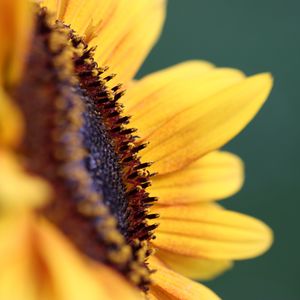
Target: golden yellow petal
(59, 7)
(16, 281)
(40, 261)
(207, 125)
(17, 188)
(208, 231)
(193, 267)
(144, 91)
(162, 97)
(15, 32)
(11, 122)
(123, 31)
(215, 176)
(169, 285)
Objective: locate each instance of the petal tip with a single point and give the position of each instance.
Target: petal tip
(266, 80)
(268, 238)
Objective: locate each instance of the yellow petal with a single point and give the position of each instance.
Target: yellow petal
(195, 268)
(164, 95)
(15, 267)
(169, 285)
(19, 189)
(38, 260)
(123, 31)
(208, 231)
(15, 33)
(207, 125)
(11, 122)
(215, 176)
(144, 92)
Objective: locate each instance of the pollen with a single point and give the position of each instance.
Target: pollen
(78, 139)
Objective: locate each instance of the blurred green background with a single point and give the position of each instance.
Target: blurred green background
(254, 36)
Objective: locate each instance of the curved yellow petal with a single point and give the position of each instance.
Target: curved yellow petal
(11, 122)
(19, 189)
(193, 267)
(145, 92)
(162, 96)
(38, 260)
(215, 176)
(207, 231)
(15, 32)
(123, 31)
(168, 285)
(15, 267)
(207, 125)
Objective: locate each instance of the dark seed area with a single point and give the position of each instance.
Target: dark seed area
(77, 138)
(102, 163)
(131, 206)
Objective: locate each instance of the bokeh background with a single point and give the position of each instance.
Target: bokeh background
(254, 36)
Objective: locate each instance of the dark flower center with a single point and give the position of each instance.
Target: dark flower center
(77, 138)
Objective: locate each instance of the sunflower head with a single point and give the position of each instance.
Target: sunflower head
(90, 154)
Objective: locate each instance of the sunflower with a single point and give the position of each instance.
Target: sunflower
(106, 195)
